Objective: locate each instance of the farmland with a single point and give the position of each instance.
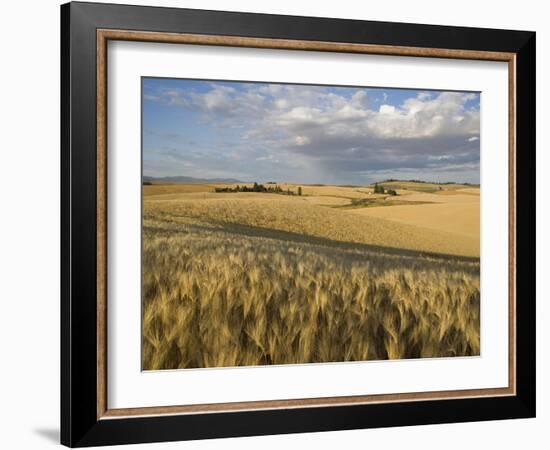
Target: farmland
(338, 273)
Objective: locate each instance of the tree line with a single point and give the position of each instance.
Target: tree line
(259, 188)
(379, 189)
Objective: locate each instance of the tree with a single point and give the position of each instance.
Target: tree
(391, 192)
(299, 190)
(378, 189)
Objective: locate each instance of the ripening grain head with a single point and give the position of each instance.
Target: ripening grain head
(218, 295)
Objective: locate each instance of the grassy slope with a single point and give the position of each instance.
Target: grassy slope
(293, 214)
(424, 187)
(461, 218)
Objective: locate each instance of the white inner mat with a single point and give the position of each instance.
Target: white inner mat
(129, 387)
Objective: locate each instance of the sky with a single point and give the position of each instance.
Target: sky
(308, 133)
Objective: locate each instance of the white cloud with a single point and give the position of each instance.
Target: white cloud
(302, 140)
(424, 95)
(359, 99)
(387, 109)
(336, 130)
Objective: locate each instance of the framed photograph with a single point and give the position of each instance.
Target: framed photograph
(276, 224)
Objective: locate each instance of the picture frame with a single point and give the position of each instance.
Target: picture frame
(86, 418)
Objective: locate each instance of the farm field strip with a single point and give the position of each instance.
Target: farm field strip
(291, 214)
(462, 219)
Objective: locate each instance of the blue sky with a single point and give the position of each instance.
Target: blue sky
(308, 133)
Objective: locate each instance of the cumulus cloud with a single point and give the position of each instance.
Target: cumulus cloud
(339, 130)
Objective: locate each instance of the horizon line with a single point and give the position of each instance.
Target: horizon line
(386, 180)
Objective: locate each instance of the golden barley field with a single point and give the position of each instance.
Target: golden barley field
(459, 215)
(246, 278)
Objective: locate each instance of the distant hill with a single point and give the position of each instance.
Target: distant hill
(188, 180)
(423, 186)
(437, 183)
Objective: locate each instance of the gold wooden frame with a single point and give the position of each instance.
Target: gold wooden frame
(103, 36)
